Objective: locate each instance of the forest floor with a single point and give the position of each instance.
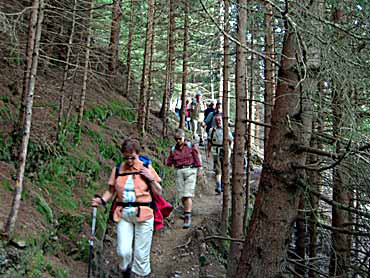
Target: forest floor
(178, 252)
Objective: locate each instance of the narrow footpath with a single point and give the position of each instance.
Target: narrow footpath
(176, 251)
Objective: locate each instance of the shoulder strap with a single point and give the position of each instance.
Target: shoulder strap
(118, 166)
(118, 174)
(213, 133)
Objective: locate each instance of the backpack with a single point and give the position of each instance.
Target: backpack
(212, 135)
(146, 162)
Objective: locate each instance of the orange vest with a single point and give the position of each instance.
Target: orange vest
(141, 188)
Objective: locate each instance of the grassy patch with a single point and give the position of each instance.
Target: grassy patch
(6, 184)
(101, 113)
(6, 144)
(43, 207)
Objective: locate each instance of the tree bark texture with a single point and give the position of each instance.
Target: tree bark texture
(170, 67)
(114, 36)
(340, 259)
(147, 114)
(275, 209)
(129, 46)
(269, 70)
(225, 142)
(86, 68)
(27, 71)
(249, 124)
(142, 109)
(238, 174)
(300, 247)
(184, 65)
(315, 181)
(34, 56)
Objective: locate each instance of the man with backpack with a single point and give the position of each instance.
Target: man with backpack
(210, 119)
(134, 212)
(185, 158)
(215, 146)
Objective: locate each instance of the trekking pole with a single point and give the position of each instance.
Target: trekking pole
(92, 236)
(91, 242)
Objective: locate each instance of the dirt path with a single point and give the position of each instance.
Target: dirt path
(176, 251)
(173, 252)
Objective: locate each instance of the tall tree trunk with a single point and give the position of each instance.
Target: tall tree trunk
(147, 114)
(314, 178)
(114, 36)
(65, 75)
(225, 108)
(170, 68)
(142, 109)
(211, 79)
(340, 259)
(238, 173)
(184, 65)
(86, 71)
(35, 28)
(269, 70)
(220, 64)
(315, 183)
(249, 124)
(27, 71)
(300, 248)
(275, 209)
(341, 253)
(129, 46)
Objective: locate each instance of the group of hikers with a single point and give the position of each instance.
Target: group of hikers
(137, 188)
(198, 119)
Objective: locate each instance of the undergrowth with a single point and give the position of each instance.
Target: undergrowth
(65, 176)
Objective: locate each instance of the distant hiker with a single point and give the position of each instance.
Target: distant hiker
(185, 158)
(210, 121)
(178, 107)
(134, 212)
(215, 146)
(209, 109)
(187, 115)
(196, 109)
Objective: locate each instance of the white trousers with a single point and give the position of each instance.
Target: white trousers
(140, 233)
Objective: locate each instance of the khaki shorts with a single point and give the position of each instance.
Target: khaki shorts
(218, 162)
(186, 180)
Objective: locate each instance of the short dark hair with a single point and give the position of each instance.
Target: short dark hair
(180, 131)
(130, 145)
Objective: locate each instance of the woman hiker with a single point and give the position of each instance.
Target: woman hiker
(134, 213)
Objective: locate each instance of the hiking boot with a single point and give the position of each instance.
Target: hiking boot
(187, 221)
(218, 188)
(126, 273)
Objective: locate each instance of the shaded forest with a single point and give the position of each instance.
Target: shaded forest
(79, 76)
